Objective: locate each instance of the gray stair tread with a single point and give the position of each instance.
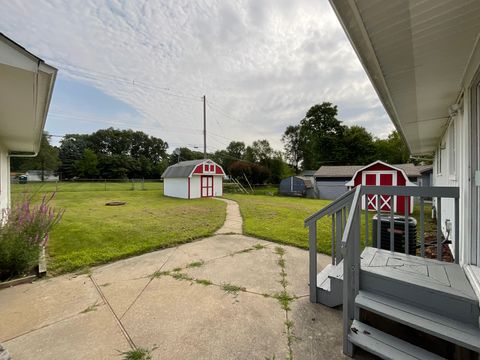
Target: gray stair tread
(397, 274)
(323, 281)
(438, 275)
(440, 326)
(385, 345)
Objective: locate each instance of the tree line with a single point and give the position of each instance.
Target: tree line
(318, 139)
(321, 139)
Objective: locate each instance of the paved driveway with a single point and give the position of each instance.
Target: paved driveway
(224, 297)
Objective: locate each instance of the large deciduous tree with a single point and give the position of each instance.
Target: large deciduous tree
(292, 142)
(322, 135)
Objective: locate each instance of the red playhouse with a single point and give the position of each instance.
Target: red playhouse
(379, 173)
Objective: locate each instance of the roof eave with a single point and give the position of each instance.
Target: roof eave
(352, 23)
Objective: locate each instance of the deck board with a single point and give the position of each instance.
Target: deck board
(441, 276)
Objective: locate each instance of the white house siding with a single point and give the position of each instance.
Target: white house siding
(176, 187)
(4, 180)
(218, 185)
(195, 187)
(455, 147)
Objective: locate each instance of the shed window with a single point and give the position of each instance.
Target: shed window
(451, 151)
(212, 168)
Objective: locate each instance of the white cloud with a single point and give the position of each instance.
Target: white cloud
(264, 63)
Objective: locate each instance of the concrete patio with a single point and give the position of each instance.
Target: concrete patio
(216, 298)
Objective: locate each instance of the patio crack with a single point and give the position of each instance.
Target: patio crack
(117, 320)
(285, 299)
(148, 283)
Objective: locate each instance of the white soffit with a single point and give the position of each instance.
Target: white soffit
(26, 85)
(416, 54)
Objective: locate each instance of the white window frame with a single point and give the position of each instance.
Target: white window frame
(451, 151)
(439, 160)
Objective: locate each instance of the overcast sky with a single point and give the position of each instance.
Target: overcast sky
(145, 65)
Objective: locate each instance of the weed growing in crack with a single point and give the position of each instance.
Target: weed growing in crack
(204, 282)
(90, 308)
(285, 299)
(137, 354)
(290, 337)
(177, 269)
(232, 289)
(258, 246)
(158, 274)
(181, 276)
(283, 281)
(279, 250)
(196, 264)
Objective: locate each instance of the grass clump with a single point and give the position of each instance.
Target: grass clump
(258, 246)
(181, 276)
(90, 308)
(137, 354)
(158, 274)
(285, 299)
(196, 264)
(204, 282)
(177, 269)
(232, 289)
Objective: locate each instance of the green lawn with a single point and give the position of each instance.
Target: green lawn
(91, 233)
(280, 219)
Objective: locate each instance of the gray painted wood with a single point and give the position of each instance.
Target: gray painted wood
(386, 346)
(439, 228)
(422, 227)
(435, 324)
(312, 247)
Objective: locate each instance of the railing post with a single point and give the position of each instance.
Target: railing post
(312, 248)
(422, 228)
(333, 241)
(457, 230)
(379, 223)
(348, 305)
(439, 229)
(392, 222)
(338, 235)
(366, 219)
(407, 213)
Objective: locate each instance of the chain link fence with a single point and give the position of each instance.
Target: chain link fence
(87, 185)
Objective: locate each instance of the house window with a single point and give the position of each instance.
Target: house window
(451, 150)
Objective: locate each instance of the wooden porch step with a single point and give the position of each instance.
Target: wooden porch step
(385, 345)
(329, 286)
(323, 281)
(457, 332)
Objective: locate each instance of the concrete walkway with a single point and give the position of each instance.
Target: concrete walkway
(223, 297)
(233, 222)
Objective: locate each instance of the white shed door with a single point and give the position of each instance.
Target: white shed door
(206, 186)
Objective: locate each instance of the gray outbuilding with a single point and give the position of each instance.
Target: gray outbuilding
(301, 186)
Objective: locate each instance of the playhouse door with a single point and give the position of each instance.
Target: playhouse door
(386, 179)
(376, 178)
(207, 186)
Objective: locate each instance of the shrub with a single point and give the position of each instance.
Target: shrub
(24, 231)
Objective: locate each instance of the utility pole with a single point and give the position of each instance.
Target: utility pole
(204, 127)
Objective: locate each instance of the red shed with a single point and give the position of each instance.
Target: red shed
(379, 173)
